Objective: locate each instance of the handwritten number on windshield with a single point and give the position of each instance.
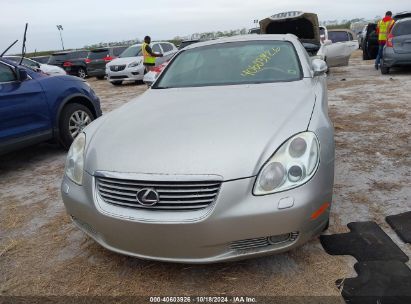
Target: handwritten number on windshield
(258, 64)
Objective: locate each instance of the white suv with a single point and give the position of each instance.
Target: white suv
(129, 65)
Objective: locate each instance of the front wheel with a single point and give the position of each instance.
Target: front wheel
(74, 118)
(81, 73)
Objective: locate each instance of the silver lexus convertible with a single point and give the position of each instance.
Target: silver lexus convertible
(229, 154)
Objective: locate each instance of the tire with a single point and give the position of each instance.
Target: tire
(100, 77)
(365, 55)
(81, 72)
(116, 83)
(73, 119)
(384, 69)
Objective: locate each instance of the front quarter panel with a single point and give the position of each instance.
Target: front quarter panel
(60, 89)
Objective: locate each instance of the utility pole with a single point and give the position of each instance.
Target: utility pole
(60, 28)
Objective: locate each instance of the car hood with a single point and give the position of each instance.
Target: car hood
(228, 131)
(125, 60)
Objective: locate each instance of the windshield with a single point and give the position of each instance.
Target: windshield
(132, 51)
(232, 63)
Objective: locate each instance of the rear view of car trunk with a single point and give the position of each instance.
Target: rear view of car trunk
(304, 25)
(401, 37)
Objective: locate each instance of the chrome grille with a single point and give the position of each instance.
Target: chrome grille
(116, 68)
(175, 195)
(263, 241)
(250, 243)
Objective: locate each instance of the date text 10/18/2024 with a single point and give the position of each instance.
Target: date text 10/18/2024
(203, 299)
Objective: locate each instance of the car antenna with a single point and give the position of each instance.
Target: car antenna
(23, 48)
(11, 45)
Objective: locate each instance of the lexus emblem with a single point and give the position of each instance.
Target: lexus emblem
(147, 197)
(116, 67)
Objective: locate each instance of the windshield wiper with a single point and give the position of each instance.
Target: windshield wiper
(11, 45)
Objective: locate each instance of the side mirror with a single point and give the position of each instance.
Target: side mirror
(21, 74)
(328, 42)
(319, 67)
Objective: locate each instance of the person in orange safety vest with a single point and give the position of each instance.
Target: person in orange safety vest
(384, 27)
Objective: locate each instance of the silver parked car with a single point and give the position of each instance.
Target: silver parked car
(397, 51)
(230, 154)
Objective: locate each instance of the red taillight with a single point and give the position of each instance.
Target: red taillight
(389, 40)
(159, 68)
(67, 63)
(87, 60)
(108, 58)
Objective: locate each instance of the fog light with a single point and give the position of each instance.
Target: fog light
(276, 239)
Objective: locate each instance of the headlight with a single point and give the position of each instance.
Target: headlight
(294, 163)
(134, 64)
(75, 159)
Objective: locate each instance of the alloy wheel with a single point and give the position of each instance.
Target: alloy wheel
(77, 122)
(81, 73)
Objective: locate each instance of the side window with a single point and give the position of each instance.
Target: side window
(338, 36)
(156, 48)
(166, 47)
(6, 73)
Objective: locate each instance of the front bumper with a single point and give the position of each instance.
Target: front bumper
(392, 59)
(236, 216)
(128, 74)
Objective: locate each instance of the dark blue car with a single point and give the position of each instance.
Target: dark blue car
(35, 107)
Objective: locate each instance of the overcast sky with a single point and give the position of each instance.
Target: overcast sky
(87, 22)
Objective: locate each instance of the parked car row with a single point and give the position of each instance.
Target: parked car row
(397, 51)
(129, 66)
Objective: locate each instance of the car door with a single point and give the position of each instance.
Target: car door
(24, 112)
(336, 53)
(352, 42)
(156, 48)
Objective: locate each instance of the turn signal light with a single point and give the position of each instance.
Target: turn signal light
(320, 211)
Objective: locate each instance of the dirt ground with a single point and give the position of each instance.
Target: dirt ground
(43, 253)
